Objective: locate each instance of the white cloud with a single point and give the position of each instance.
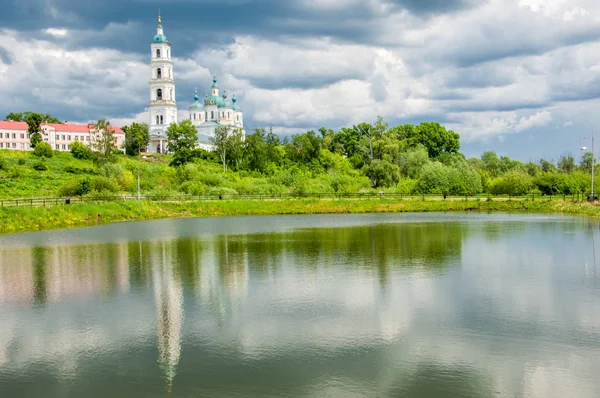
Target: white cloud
(537, 120)
(57, 32)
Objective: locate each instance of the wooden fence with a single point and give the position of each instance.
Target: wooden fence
(320, 196)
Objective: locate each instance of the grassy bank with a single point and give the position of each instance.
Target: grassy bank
(42, 218)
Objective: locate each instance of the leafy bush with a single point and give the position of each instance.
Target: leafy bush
(43, 150)
(3, 164)
(81, 151)
(80, 170)
(407, 186)
(193, 188)
(88, 185)
(513, 183)
(110, 170)
(21, 162)
(40, 166)
(222, 191)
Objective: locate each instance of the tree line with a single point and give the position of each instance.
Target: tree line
(423, 158)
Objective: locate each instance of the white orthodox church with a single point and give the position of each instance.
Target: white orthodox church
(216, 109)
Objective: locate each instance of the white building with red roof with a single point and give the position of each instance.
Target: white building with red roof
(13, 135)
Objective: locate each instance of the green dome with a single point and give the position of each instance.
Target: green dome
(196, 105)
(160, 38)
(224, 103)
(234, 106)
(213, 100)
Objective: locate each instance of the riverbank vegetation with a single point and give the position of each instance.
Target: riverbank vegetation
(368, 157)
(21, 219)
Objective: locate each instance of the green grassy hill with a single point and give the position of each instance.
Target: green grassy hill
(66, 175)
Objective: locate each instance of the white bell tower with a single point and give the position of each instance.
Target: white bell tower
(163, 108)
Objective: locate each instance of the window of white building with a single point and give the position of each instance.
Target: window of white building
(158, 73)
(1, 145)
(14, 135)
(22, 136)
(157, 53)
(14, 145)
(159, 94)
(22, 146)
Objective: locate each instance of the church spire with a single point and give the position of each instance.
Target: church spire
(159, 20)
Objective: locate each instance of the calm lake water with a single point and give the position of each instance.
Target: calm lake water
(403, 305)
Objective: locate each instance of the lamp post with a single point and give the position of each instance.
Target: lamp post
(138, 179)
(583, 148)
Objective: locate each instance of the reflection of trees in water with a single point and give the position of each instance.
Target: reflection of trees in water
(432, 380)
(383, 246)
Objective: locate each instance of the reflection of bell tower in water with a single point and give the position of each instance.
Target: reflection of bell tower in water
(168, 301)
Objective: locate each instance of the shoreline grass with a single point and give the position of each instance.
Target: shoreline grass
(26, 219)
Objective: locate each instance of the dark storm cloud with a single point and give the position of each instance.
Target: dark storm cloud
(207, 22)
(436, 6)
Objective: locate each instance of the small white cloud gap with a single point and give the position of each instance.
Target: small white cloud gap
(57, 32)
(567, 124)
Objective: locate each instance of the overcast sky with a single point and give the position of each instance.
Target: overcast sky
(517, 76)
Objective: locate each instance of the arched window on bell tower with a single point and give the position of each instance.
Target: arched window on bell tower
(161, 119)
(157, 119)
(212, 114)
(171, 95)
(158, 73)
(159, 94)
(158, 53)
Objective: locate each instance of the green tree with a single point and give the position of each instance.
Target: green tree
(566, 163)
(432, 135)
(547, 166)
(532, 168)
(136, 138)
(512, 183)
(256, 151)
(237, 149)
(413, 160)
(14, 116)
(34, 122)
(435, 178)
(43, 150)
(221, 143)
(383, 173)
(81, 151)
(304, 148)
(491, 163)
(349, 139)
(48, 118)
(586, 162)
(103, 142)
(182, 141)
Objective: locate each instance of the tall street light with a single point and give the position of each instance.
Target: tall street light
(583, 148)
